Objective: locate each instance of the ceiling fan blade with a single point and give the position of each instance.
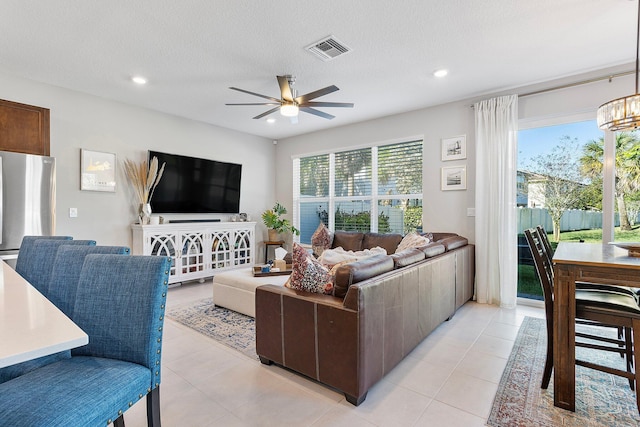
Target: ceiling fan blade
(285, 88)
(266, 113)
(316, 94)
(327, 104)
(256, 94)
(257, 103)
(316, 112)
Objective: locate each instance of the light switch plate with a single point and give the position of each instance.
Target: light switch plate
(471, 211)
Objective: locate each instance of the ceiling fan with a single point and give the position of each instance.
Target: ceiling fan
(289, 104)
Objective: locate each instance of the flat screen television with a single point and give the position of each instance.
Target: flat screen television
(194, 185)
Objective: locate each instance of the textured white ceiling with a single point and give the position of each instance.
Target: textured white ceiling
(191, 51)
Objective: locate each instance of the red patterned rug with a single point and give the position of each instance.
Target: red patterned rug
(601, 399)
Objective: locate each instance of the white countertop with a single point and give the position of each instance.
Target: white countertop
(30, 325)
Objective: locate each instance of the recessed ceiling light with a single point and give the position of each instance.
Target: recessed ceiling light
(440, 73)
(139, 80)
(271, 120)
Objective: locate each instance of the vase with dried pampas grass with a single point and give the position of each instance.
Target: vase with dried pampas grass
(144, 178)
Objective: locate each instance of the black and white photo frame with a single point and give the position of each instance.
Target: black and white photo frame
(454, 148)
(454, 178)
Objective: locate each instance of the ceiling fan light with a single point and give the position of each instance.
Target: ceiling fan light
(441, 73)
(289, 110)
(139, 80)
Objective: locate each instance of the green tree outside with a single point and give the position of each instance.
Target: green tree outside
(627, 164)
(561, 183)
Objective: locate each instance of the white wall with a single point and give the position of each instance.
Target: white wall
(442, 210)
(447, 210)
(84, 121)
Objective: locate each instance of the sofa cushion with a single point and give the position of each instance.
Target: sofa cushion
(412, 240)
(307, 274)
(348, 240)
(388, 241)
(348, 274)
(408, 257)
(433, 249)
(454, 242)
(439, 236)
(321, 239)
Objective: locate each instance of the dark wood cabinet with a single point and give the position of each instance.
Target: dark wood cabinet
(24, 128)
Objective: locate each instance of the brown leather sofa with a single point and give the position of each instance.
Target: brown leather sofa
(383, 308)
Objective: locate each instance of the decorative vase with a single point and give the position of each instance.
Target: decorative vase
(145, 213)
(273, 235)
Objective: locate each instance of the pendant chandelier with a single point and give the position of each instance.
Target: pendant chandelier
(623, 113)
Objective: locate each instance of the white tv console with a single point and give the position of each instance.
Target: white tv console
(198, 249)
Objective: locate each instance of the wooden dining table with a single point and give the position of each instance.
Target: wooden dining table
(31, 326)
(584, 262)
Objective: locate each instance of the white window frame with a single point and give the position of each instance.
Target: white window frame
(332, 199)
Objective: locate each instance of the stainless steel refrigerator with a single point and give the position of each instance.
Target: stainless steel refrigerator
(27, 199)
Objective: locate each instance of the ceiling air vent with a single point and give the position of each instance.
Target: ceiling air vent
(328, 48)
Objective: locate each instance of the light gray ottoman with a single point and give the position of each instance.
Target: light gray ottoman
(236, 289)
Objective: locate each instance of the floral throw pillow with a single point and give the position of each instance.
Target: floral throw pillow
(321, 239)
(309, 275)
(412, 240)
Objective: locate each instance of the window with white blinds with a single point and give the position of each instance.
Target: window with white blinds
(375, 189)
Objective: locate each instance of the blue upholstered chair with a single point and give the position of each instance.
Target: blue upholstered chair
(63, 285)
(13, 371)
(42, 254)
(23, 263)
(120, 304)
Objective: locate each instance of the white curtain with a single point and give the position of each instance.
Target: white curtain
(496, 237)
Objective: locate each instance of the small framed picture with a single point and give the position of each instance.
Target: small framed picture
(97, 171)
(454, 178)
(454, 148)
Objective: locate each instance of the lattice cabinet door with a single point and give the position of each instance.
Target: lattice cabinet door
(243, 247)
(162, 245)
(221, 253)
(192, 261)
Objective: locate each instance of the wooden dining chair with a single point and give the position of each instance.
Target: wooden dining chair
(542, 234)
(544, 237)
(596, 307)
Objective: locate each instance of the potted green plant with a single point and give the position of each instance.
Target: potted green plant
(275, 224)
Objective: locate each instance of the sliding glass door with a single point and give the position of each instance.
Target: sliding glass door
(559, 186)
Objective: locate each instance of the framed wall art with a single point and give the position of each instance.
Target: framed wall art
(454, 148)
(97, 171)
(454, 178)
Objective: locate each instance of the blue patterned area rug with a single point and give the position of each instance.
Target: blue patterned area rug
(601, 399)
(226, 326)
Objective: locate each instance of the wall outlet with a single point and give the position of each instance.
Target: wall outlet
(73, 212)
(471, 211)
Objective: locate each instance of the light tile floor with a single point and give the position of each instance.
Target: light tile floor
(450, 379)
